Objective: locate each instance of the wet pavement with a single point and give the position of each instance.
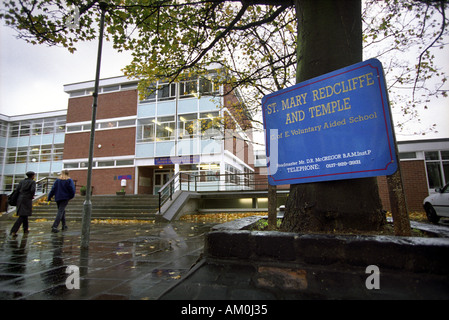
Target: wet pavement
(142, 261)
(136, 261)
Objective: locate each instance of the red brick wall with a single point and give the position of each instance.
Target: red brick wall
(104, 181)
(110, 105)
(415, 185)
(114, 142)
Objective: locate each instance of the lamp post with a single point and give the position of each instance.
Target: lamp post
(87, 206)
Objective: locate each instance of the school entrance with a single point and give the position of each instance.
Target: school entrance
(153, 178)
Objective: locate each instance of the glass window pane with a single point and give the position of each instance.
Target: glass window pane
(148, 132)
(434, 175)
(24, 130)
(187, 125)
(71, 165)
(73, 128)
(125, 162)
(432, 155)
(105, 163)
(407, 155)
(107, 125)
(446, 171)
(126, 123)
(111, 88)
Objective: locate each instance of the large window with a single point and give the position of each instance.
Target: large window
(106, 163)
(189, 87)
(42, 153)
(210, 125)
(37, 127)
(101, 125)
(437, 166)
(3, 129)
(206, 171)
(146, 130)
(156, 129)
(188, 126)
(163, 90)
(165, 128)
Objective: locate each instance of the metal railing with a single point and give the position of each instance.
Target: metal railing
(43, 186)
(211, 182)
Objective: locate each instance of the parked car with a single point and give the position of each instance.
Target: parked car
(437, 204)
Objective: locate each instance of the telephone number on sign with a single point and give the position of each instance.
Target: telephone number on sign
(343, 164)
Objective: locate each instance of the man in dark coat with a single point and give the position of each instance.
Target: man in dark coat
(26, 188)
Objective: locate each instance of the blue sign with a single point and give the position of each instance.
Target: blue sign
(335, 126)
(176, 160)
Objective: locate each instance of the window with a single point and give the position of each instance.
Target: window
(127, 123)
(36, 129)
(78, 93)
(208, 86)
(188, 88)
(119, 163)
(166, 91)
(108, 125)
(58, 150)
(105, 163)
(74, 128)
(3, 129)
(11, 156)
(71, 165)
(46, 153)
(24, 129)
(165, 128)
(35, 154)
(99, 164)
(209, 124)
(407, 155)
(188, 126)
(232, 174)
(151, 93)
(111, 88)
(22, 155)
(160, 91)
(60, 125)
(129, 86)
(38, 153)
(146, 130)
(437, 167)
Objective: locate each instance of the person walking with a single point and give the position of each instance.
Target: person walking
(26, 188)
(63, 190)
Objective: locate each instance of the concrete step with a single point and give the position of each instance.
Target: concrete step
(141, 207)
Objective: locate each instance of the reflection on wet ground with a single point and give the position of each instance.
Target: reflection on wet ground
(124, 261)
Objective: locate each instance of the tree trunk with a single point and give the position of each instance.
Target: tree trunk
(329, 38)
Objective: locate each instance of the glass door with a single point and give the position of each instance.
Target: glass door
(161, 177)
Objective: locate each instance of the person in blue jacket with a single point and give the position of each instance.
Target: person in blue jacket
(63, 190)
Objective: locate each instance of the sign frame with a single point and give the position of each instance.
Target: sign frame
(333, 127)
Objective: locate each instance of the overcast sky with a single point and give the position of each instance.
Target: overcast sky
(33, 76)
(32, 79)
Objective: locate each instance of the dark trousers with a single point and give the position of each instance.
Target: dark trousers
(18, 223)
(60, 216)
